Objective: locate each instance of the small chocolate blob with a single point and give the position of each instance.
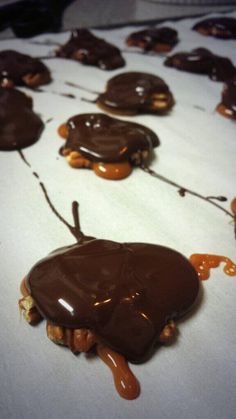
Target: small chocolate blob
(154, 39)
(86, 48)
(203, 61)
(227, 106)
(218, 27)
(18, 69)
(134, 93)
(20, 127)
(107, 145)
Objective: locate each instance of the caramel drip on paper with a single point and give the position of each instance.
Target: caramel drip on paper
(204, 262)
(126, 383)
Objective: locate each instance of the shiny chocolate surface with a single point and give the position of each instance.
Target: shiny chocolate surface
(136, 92)
(98, 137)
(229, 96)
(20, 127)
(203, 61)
(85, 47)
(126, 293)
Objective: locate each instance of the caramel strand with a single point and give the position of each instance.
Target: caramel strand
(204, 262)
(126, 383)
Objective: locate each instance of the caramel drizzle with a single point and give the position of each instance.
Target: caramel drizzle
(125, 382)
(204, 262)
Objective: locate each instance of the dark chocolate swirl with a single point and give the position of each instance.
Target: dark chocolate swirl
(227, 107)
(203, 61)
(85, 47)
(19, 126)
(98, 137)
(125, 293)
(136, 92)
(15, 66)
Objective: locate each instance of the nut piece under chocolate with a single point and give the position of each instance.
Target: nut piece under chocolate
(107, 145)
(22, 70)
(203, 61)
(86, 48)
(134, 92)
(223, 27)
(154, 39)
(20, 127)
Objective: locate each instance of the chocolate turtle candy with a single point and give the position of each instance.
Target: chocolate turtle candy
(227, 107)
(203, 61)
(154, 39)
(134, 92)
(125, 293)
(86, 48)
(19, 126)
(22, 70)
(219, 27)
(107, 145)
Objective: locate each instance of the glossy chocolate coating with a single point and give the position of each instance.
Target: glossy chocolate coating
(133, 93)
(83, 46)
(14, 66)
(203, 61)
(229, 96)
(125, 293)
(223, 27)
(148, 39)
(19, 126)
(98, 137)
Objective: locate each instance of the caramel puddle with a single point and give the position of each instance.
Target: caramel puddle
(204, 262)
(126, 383)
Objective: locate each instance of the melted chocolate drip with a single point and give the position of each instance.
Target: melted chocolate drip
(125, 293)
(183, 191)
(99, 137)
(229, 96)
(135, 92)
(14, 66)
(203, 61)
(83, 46)
(152, 38)
(223, 27)
(19, 126)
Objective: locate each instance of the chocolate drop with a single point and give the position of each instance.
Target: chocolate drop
(85, 47)
(154, 39)
(20, 127)
(15, 66)
(135, 92)
(223, 27)
(125, 293)
(100, 138)
(203, 61)
(228, 99)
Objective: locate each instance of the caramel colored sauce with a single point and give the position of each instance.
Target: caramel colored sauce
(126, 383)
(63, 131)
(204, 262)
(112, 171)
